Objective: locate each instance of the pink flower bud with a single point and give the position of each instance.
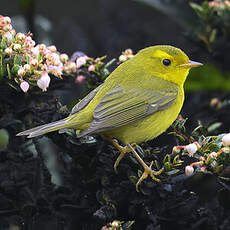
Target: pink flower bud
(43, 82)
(8, 51)
(91, 68)
(128, 52)
(189, 170)
(7, 20)
(226, 139)
(21, 72)
(29, 42)
(24, 86)
(80, 79)
(34, 62)
(175, 150)
(191, 149)
(81, 61)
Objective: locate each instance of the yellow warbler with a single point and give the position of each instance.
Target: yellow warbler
(138, 101)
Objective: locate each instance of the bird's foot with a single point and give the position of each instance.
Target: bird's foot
(150, 172)
(147, 169)
(122, 150)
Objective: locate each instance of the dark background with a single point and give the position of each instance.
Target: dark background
(99, 27)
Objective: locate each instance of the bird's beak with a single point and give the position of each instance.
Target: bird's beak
(190, 64)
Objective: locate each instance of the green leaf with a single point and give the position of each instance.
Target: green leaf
(133, 179)
(109, 63)
(214, 126)
(172, 172)
(176, 160)
(212, 36)
(180, 137)
(4, 139)
(15, 69)
(17, 60)
(8, 71)
(167, 158)
(127, 225)
(3, 43)
(28, 59)
(139, 173)
(200, 130)
(167, 166)
(196, 7)
(1, 67)
(213, 147)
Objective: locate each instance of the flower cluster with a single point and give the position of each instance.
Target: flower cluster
(31, 63)
(219, 4)
(126, 55)
(208, 158)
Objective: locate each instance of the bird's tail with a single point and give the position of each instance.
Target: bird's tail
(50, 127)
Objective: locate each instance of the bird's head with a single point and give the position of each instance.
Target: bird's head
(167, 62)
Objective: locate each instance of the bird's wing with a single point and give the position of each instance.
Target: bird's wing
(85, 101)
(121, 106)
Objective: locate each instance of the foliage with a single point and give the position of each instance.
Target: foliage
(209, 78)
(212, 153)
(214, 17)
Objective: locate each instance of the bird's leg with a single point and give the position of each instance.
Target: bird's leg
(147, 169)
(122, 150)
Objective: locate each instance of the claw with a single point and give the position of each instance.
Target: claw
(151, 173)
(147, 169)
(122, 150)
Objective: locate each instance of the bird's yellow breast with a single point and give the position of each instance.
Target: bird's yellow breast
(150, 127)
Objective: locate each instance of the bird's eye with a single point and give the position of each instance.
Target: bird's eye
(166, 62)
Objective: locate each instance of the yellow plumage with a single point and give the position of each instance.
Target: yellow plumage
(137, 102)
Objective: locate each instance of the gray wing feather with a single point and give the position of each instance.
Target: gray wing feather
(122, 106)
(85, 101)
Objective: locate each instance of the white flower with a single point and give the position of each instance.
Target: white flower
(8, 36)
(21, 72)
(20, 36)
(226, 139)
(64, 57)
(8, 51)
(122, 58)
(52, 48)
(189, 170)
(26, 67)
(81, 61)
(17, 47)
(213, 155)
(24, 86)
(44, 81)
(35, 51)
(191, 149)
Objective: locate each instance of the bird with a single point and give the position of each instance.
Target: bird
(137, 102)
